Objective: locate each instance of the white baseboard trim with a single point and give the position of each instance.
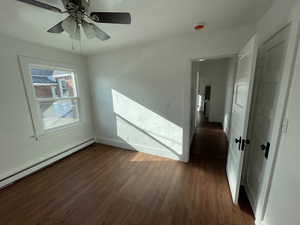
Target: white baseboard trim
(39, 165)
(114, 143)
(259, 222)
(138, 147)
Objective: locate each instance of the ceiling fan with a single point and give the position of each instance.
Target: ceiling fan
(79, 16)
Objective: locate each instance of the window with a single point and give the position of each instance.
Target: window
(56, 96)
(51, 93)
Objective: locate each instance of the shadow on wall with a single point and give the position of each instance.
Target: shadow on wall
(138, 128)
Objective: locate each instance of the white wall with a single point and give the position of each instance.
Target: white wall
(18, 149)
(214, 73)
(229, 95)
(275, 18)
(142, 94)
(283, 204)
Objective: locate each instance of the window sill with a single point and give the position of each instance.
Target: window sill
(57, 130)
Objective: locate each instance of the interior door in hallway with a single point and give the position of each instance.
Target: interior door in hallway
(240, 115)
(268, 80)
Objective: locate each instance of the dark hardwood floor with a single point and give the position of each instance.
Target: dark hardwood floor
(102, 185)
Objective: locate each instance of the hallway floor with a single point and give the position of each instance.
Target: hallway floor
(209, 147)
(209, 143)
(103, 185)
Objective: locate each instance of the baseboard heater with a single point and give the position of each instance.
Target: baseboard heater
(42, 164)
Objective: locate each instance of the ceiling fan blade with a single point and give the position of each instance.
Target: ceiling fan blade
(92, 31)
(69, 24)
(88, 29)
(100, 33)
(57, 28)
(42, 5)
(111, 17)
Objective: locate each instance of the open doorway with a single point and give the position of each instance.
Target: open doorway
(231, 80)
(212, 92)
(212, 96)
(215, 91)
(207, 92)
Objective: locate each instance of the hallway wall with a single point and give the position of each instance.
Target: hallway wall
(214, 73)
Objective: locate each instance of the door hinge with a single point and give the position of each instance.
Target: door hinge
(284, 125)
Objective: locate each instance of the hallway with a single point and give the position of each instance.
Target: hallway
(209, 143)
(209, 148)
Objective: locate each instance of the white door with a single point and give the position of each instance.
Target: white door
(268, 80)
(240, 115)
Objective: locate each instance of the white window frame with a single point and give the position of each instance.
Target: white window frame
(26, 64)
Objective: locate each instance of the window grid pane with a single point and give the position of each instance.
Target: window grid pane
(59, 113)
(53, 83)
(56, 96)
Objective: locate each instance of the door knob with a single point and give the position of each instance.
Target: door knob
(266, 148)
(244, 143)
(263, 147)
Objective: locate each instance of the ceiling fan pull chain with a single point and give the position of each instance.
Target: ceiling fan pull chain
(73, 36)
(73, 47)
(80, 46)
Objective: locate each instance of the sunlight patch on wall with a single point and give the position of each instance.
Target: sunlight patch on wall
(138, 126)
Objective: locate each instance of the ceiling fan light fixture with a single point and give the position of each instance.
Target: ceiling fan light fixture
(88, 30)
(76, 34)
(72, 28)
(69, 25)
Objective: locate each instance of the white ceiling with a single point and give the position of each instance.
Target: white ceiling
(151, 19)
